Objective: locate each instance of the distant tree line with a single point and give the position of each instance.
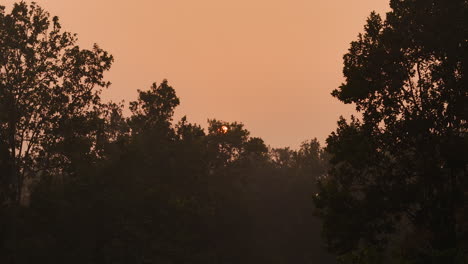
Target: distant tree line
(80, 182)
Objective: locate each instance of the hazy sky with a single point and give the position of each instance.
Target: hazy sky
(270, 64)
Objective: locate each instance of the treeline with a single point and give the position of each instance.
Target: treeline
(142, 190)
(82, 183)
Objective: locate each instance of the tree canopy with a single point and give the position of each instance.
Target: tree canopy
(47, 86)
(88, 181)
(398, 174)
(80, 182)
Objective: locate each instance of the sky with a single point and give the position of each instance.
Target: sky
(270, 64)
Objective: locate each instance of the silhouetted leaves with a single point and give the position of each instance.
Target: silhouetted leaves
(397, 186)
(49, 88)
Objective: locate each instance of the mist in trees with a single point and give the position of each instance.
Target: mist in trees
(80, 182)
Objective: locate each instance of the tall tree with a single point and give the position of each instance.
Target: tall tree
(404, 165)
(154, 108)
(47, 86)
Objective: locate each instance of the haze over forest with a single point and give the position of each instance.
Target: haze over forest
(235, 143)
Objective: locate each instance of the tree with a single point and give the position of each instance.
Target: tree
(48, 85)
(154, 108)
(401, 171)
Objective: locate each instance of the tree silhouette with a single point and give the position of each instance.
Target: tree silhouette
(398, 177)
(47, 86)
(80, 182)
(154, 108)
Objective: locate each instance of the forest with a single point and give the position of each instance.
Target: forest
(82, 181)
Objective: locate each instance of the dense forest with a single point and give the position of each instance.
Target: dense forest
(82, 182)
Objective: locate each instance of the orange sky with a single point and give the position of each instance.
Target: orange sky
(270, 64)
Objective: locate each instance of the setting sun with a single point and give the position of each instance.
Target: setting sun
(224, 129)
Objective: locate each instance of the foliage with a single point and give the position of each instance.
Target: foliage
(48, 85)
(398, 176)
(139, 189)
